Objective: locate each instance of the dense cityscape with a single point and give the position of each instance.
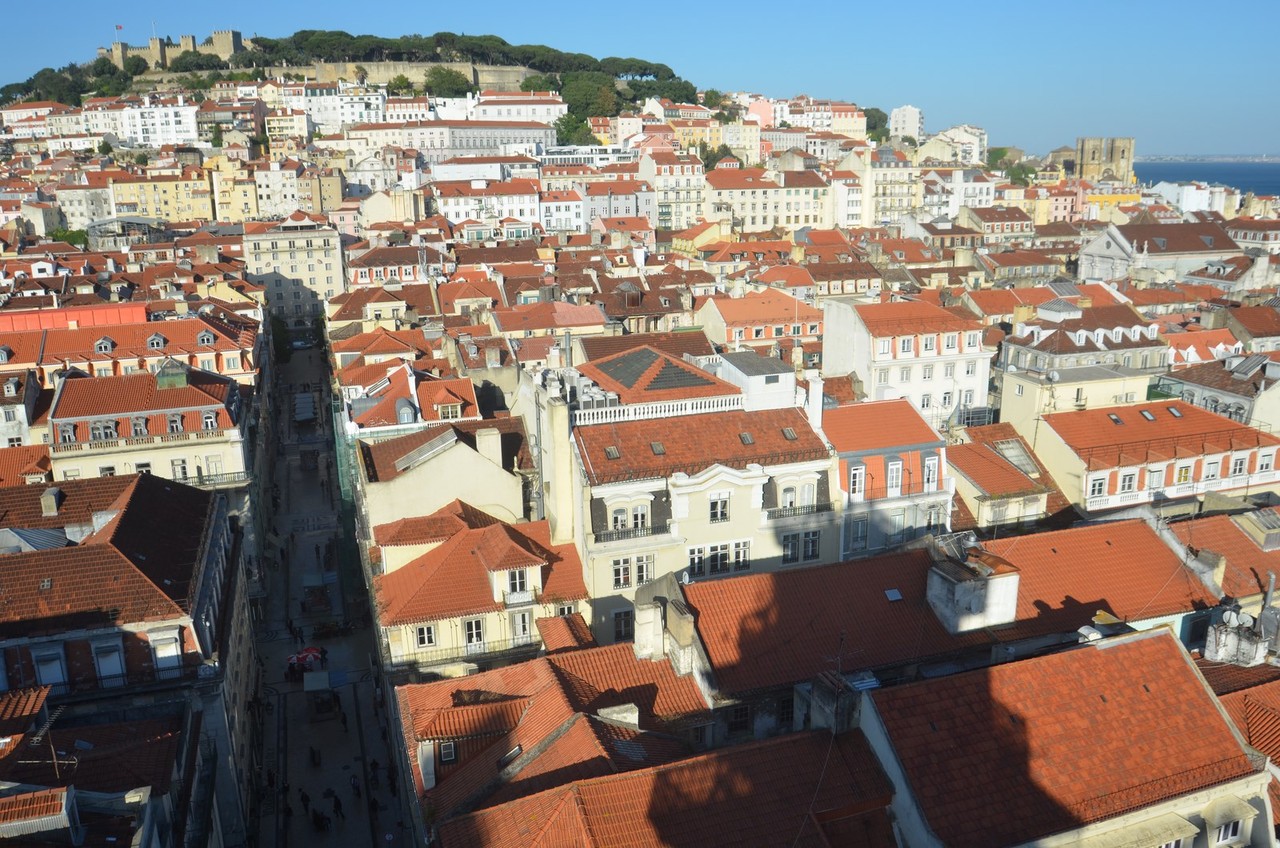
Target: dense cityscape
(438, 441)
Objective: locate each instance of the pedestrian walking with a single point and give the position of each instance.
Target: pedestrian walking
(317, 821)
(373, 808)
(288, 623)
(355, 786)
(305, 799)
(315, 755)
(288, 814)
(343, 716)
(271, 779)
(337, 807)
(324, 657)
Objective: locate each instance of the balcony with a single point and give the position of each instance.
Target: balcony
(789, 511)
(625, 533)
(518, 599)
(486, 649)
(216, 481)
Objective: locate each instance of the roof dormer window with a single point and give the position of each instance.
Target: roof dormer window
(155, 342)
(205, 339)
(104, 345)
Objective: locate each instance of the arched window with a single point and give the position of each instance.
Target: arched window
(618, 519)
(140, 426)
(66, 434)
(788, 497)
(209, 421)
(175, 422)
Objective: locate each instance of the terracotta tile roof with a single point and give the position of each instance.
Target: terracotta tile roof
(20, 707)
(1224, 678)
(825, 611)
(1258, 321)
(440, 525)
(1113, 436)
(129, 395)
(989, 472)
(799, 789)
(454, 578)
(123, 756)
(1060, 510)
(1178, 238)
(547, 316)
(907, 317)
(676, 344)
(531, 703)
(565, 633)
(766, 307)
(380, 457)
(1120, 567)
(31, 806)
(691, 443)
(17, 463)
(645, 374)
(877, 425)
(1142, 693)
(1245, 572)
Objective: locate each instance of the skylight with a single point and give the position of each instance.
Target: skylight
(1146, 413)
(1174, 411)
(1115, 419)
(789, 434)
(747, 438)
(611, 452)
(658, 448)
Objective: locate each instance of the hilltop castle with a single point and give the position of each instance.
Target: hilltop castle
(223, 43)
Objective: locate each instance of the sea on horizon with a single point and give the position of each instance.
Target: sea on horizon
(1256, 177)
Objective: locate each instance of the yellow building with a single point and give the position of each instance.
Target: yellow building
(186, 197)
(1100, 201)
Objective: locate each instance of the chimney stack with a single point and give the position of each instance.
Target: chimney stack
(50, 499)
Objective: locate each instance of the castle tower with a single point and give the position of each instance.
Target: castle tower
(1104, 159)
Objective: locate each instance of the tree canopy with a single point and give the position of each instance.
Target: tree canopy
(446, 82)
(190, 60)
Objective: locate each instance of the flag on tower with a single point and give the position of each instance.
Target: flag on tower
(118, 26)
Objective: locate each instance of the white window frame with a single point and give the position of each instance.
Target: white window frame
(621, 573)
(426, 635)
(1097, 487)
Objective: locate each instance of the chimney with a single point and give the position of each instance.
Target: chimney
(813, 407)
(625, 714)
(492, 357)
(1084, 302)
(553, 356)
(489, 444)
(972, 589)
(49, 501)
(1023, 313)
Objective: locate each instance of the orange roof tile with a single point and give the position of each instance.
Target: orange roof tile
(645, 374)
(908, 318)
(1048, 758)
(808, 789)
(691, 443)
(565, 633)
(877, 425)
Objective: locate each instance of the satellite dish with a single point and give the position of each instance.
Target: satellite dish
(684, 577)
(1246, 620)
(1230, 618)
(1054, 377)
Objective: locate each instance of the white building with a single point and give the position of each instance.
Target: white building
(147, 122)
(299, 261)
(970, 142)
(907, 121)
(911, 350)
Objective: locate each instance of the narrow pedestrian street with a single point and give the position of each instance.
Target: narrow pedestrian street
(325, 774)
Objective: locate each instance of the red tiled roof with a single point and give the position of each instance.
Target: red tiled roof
(20, 707)
(877, 425)
(807, 789)
(1245, 573)
(989, 472)
(440, 525)
(908, 317)
(644, 375)
(765, 307)
(18, 462)
(31, 806)
(676, 344)
(380, 457)
(1113, 436)
(691, 443)
(1021, 732)
(1182, 237)
(454, 578)
(1058, 505)
(565, 633)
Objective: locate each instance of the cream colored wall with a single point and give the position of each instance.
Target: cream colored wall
(87, 458)
(1042, 398)
(398, 556)
(472, 479)
(1066, 469)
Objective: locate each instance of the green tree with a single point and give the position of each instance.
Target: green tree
(399, 84)
(540, 82)
(190, 60)
(713, 99)
(141, 159)
(570, 129)
(996, 157)
(215, 138)
(446, 82)
(105, 147)
(102, 67)
(79, 237)
(362, 74)
(136, 66)
(711, 156)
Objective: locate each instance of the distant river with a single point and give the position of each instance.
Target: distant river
(1257, 177)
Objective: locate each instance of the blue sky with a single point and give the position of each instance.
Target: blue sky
(1167, 73)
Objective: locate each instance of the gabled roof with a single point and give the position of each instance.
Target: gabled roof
(530, 704)
(380, 457)
(765, 307)
(547, 316)
(1178, 238)
(440, 525)
(909, 318)
(644, 375)
(565, 633)
(1048, 758)
(1247, 563)
(454, 578)
(989, 472)
(676, 344)
(807, 789)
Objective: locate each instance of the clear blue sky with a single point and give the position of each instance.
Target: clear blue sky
(1180, 77)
